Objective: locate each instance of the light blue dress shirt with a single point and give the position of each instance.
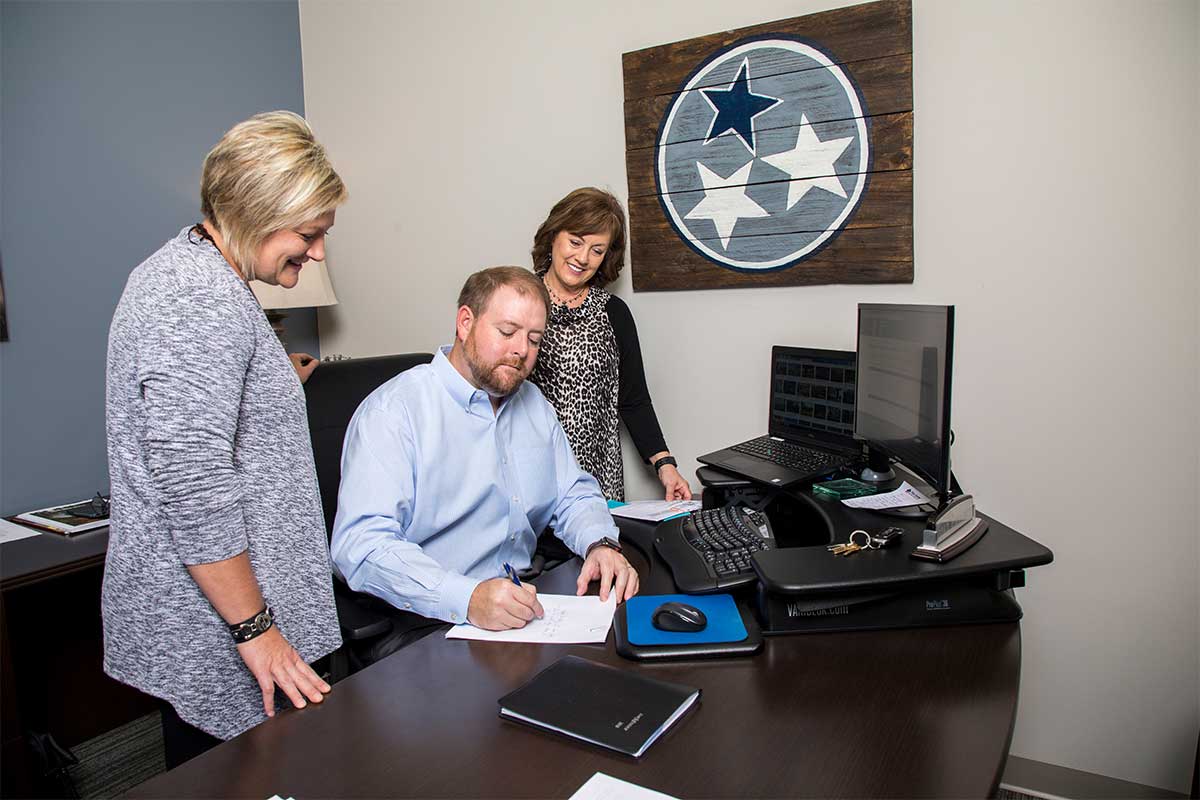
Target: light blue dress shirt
(438, 491)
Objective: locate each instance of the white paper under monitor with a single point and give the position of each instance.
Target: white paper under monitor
(906, 495)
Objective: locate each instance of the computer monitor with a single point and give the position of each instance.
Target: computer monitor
(905, 360)
(812, 393)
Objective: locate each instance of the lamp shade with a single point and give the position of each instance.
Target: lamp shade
(313, 289)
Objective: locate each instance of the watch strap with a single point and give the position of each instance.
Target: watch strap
(664, 461)
(603, 541)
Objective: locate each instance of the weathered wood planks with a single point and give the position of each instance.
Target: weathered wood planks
(779, 154)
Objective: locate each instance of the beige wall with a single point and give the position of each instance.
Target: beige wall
(1057, 187)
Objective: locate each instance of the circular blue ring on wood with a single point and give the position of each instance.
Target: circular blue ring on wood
(764, 154)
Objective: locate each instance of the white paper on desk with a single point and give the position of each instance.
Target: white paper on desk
(568, 620)
(906, 495)
(655, 510)
(606, 787)
(11, 531)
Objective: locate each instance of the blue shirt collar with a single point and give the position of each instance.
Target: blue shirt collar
(460, 389)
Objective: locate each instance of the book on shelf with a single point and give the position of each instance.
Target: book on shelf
(68, 519)
(615, 708)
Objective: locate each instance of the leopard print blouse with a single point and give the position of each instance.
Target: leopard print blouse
(589, 367)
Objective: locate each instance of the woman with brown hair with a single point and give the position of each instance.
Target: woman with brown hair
(590, 363)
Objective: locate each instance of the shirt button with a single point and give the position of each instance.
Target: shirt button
(408, 605)
(512, 538)
(454, 616)
(516, 499)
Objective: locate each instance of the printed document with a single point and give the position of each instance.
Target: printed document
(568, 620)
(906, 495)
(655, 510)
(11, 531)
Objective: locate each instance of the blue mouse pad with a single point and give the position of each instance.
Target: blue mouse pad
(724, 621)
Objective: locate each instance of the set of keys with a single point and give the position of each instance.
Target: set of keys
(869, 541)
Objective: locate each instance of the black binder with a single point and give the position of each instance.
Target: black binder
(614, 708)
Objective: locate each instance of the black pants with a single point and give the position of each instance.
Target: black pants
(183, 741)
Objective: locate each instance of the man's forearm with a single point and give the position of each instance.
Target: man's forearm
(230, 586)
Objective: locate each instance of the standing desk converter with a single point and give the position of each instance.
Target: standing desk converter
(849, 714)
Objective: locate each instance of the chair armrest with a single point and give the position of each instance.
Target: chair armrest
(358, 622)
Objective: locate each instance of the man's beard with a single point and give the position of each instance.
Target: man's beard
(493, 378)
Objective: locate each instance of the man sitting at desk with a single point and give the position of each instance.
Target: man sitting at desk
(451, 469)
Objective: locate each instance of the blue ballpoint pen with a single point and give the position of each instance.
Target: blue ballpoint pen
(512, 573)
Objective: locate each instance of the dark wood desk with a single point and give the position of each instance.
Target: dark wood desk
(51, 649)
(820, 715)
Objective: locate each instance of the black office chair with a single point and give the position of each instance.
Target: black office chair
(370, 627)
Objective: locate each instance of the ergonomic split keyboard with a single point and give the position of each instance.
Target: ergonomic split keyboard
(710, 550)
(792, 456)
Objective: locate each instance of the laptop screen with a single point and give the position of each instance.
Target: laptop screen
(812, 394)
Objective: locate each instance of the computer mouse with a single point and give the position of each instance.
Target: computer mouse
(679, 617)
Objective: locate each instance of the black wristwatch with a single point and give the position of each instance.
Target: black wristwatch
(257, 625)
(603, 541)
(662, 462)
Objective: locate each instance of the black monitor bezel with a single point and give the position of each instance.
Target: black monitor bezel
(941, 484)
(839, 440)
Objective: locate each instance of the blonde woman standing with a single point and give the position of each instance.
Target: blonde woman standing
(217, 588)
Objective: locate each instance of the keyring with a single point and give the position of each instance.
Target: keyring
(865, 545)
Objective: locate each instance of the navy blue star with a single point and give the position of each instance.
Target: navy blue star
(737, 107)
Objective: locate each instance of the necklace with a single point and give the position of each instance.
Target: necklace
(558, 299)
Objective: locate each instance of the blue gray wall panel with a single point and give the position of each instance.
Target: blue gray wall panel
(106, 112)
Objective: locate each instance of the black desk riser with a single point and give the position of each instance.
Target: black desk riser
(806, 589)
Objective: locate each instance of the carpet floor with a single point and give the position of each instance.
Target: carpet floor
(114, 762)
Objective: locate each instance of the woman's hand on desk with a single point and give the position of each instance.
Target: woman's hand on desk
(614, 572)
(274, 662)
(676, 487)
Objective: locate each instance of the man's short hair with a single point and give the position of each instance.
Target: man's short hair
(479, 288)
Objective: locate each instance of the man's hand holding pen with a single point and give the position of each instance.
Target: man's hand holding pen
(502, 603)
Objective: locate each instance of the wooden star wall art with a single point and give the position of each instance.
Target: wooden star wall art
(774, 155)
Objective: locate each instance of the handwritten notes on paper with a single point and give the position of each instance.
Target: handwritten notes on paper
(568, 620)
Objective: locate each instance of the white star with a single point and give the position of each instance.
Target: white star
(810, 163)
(725, 201)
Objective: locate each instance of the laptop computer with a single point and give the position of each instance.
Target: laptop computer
(810, 429)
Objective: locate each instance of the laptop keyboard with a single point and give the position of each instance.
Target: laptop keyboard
(793, 456)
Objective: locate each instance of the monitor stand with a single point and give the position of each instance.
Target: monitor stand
(878, 468)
